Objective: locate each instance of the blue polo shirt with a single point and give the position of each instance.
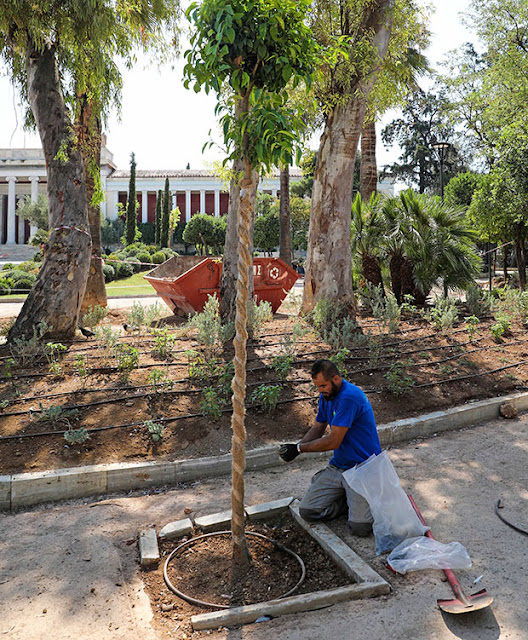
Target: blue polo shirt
(351, 408)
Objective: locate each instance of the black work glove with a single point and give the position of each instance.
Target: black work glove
(288, 452)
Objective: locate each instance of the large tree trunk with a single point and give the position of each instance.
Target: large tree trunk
(520, 254)
(328, 260)
(57, 294)
(285, 246)
(368, 173)
(89, 136)
(230, 258)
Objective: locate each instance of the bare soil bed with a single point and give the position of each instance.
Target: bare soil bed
(87, 390)
(204, 572)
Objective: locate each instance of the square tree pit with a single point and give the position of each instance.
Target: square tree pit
(366, 582)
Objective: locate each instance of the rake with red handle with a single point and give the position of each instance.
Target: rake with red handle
(462, 603)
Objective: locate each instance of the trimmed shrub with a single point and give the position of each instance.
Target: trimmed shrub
(124, 270)
(5, 286)
(23, 284)
(145, 258)
(169, 253)
(135, 262)
(109, 272)
(158, 257)
(17, 275)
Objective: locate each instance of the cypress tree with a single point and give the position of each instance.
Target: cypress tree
(131, 210)
(157, 225)
(164, 235)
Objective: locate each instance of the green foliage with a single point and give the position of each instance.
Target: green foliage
(31, 350)
(282, 365)
(339, 359)
(124, 270)
(258, 314)
(207, 323)
(500, 328)
(443, 314)
(477, 301)
(210, 404)
(55, 414)
(160, 380)
(54, 351)
(300, 222)
(155, 430)
(398, 383)
(94, 316)
(76, 436)
(424, 121)
(163, 344)
(267, 232)
(108, 272)
(35, 212)
(472, 323)
(132, 204)
(6, 284)
(158, 257)
(253, 46)
(135, 318)
(207, 232)
(460, 189)
(267, 396)
(165, 212)
(201, 368)
(333, 324)
(81, 368)
(111, 231)
(159, 201)
(127, 358)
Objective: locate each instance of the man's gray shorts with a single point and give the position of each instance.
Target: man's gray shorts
(328, 496)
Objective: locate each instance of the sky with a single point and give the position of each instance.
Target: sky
(166, 125)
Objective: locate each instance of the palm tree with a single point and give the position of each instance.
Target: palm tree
(365, 237)
(428, 240)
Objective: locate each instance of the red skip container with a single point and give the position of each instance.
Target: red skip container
(184, 282)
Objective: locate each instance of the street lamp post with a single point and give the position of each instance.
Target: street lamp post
(441, 148)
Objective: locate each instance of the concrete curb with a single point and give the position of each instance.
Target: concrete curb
(27, 489)
(367, 582)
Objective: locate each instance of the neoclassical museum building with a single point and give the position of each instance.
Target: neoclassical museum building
(23, 173)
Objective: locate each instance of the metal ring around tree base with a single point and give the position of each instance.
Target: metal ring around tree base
(201, 603)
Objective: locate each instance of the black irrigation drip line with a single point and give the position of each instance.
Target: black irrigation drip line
(129, 425)
(133, 396)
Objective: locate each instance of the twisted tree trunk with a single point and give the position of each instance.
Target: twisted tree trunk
(55, 299)
(241, 556)
(230, 258)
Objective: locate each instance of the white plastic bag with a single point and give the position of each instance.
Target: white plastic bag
(394, 517)
(426, 553)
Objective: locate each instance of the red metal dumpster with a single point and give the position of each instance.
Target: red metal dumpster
(184, 282)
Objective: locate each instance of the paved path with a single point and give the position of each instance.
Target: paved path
(11, 309)
(67, 571)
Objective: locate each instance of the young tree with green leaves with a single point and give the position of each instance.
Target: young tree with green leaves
(132, 204)
(165, 214)
(251, 49)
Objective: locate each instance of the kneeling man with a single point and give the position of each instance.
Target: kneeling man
(354, 438)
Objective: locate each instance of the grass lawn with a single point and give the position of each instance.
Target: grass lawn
(136, 285)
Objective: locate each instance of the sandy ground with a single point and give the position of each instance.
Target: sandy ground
(70, 571)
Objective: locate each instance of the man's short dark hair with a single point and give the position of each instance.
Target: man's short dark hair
(326, 368)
